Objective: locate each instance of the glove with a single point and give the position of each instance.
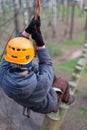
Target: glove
(33, 26)
(37, 36)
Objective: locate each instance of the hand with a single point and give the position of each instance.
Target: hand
(33, 26)
(37, 36)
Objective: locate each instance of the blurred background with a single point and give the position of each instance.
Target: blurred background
(64, 28)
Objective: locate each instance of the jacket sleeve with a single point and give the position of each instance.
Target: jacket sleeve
(3, 67)
(5, 64)
(45, 64)
(20, 35)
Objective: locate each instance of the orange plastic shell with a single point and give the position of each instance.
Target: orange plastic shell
(19, 50)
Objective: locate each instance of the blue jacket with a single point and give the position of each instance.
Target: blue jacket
(33, 90)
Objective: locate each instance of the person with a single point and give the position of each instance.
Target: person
(30, 85)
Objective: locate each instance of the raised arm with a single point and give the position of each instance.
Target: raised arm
(45, 62)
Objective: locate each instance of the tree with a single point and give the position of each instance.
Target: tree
(15, 9)
(53, 16)
(25, 12)
(3, 9)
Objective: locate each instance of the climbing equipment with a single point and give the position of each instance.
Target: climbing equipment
(37, 8)
(37, 11)
(19, 50)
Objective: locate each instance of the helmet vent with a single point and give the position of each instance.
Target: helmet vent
(13, 48)
(18, 49)
(23, 49)
(14, 56)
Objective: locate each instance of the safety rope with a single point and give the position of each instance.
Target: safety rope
(37, 8)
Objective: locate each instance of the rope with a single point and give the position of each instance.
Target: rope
(37, 8)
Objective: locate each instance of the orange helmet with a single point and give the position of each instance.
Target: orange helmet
(19, 50)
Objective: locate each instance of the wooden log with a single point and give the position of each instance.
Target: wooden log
(81, 61)
(76, 75)
(53, 121)
(85, 45)
(83, 55)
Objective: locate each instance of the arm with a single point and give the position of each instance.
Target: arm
(45, 64)
(5, 64)
(25, 34)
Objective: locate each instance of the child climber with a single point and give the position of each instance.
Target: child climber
(30, 85)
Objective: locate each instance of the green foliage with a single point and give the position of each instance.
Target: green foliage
(76, 42)
(83, 109)
(85, 72)
(66, 66)
(77, 11)
(1, 23)
(63, 10)
(55, 50)
(69, 67)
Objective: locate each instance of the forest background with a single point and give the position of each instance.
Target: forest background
(64, 28)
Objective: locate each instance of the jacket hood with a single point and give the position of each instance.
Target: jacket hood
(15, 84)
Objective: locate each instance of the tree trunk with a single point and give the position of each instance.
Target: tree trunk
(25, 12)
(86, 28)
(81, 6)
(72, 21)
(15, 9)
(63, 10)
(31, 8)
(3, 10)
(67, 18)
(59, 3)
(53, 14)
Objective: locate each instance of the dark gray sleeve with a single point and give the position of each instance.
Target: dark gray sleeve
(5, 64)
(35, 68)
(45, 64)
(20, 35)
